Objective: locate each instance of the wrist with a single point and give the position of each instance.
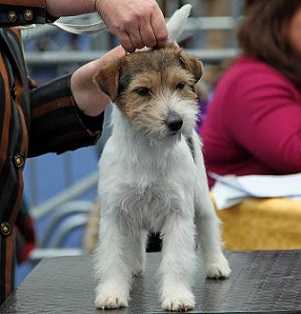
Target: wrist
(93, 123)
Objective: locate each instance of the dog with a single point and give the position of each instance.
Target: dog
(152, 178)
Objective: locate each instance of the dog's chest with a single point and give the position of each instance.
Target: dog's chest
(148, 185)
(147, 206)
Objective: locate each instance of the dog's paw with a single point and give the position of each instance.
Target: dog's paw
(104, 301)
(110, 296)
(182, 301)
(218, 268)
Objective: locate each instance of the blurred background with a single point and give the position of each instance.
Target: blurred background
(60, 191)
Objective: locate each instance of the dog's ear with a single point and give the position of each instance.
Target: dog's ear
(191, 64)
(107, 79)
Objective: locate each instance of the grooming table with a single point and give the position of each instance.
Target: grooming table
(261, 282)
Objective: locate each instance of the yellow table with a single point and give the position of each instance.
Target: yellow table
(262, 224)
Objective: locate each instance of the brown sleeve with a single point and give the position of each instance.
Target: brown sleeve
(23, 12)
(57, 123)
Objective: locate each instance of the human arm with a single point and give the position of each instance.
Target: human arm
(68, 112)
(264, 118)
(57, 123)
(137, 23)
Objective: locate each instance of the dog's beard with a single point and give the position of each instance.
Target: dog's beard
(187, 109)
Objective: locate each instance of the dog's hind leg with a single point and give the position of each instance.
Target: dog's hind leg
(115, 261)
(216, 265)
(208, 231)
(206, 220)
(178, 263)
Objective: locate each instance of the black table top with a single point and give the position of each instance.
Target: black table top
(261, 282)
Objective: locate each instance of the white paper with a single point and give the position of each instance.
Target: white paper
(231, 190)
(272, 186)
(225, 196)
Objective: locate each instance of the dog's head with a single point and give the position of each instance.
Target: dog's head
(155, 90)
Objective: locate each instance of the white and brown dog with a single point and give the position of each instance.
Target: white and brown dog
(152, 178)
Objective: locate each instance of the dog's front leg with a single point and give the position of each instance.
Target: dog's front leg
(115, 261)
(178, 263)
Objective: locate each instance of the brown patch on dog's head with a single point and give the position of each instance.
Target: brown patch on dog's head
(145, 84)
(114, 78)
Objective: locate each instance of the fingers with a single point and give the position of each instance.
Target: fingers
(135, 36)
(154, 30)
(159, 27)
(126, 41)
(147, 34)
(129, 36)
(145, 28)
(135, 24)
(148, 31)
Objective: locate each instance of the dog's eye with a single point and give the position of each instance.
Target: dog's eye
(181, 85)
(143, 91)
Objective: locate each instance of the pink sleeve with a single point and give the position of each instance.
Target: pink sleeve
(265, 119)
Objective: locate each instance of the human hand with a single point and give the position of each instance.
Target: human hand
(137, 23)
(89, 98)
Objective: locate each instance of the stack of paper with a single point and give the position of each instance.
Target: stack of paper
(231, 190)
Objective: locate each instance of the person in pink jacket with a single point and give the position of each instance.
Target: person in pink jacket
(253, 124)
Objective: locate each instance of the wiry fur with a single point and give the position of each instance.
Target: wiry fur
(151, 181)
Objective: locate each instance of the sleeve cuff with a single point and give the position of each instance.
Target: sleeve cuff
(94, 124)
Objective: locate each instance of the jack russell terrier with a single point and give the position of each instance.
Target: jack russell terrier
(152, 178)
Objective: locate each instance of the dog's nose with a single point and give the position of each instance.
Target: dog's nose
(174, 121)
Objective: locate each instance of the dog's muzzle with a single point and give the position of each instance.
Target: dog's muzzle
(174, 122)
